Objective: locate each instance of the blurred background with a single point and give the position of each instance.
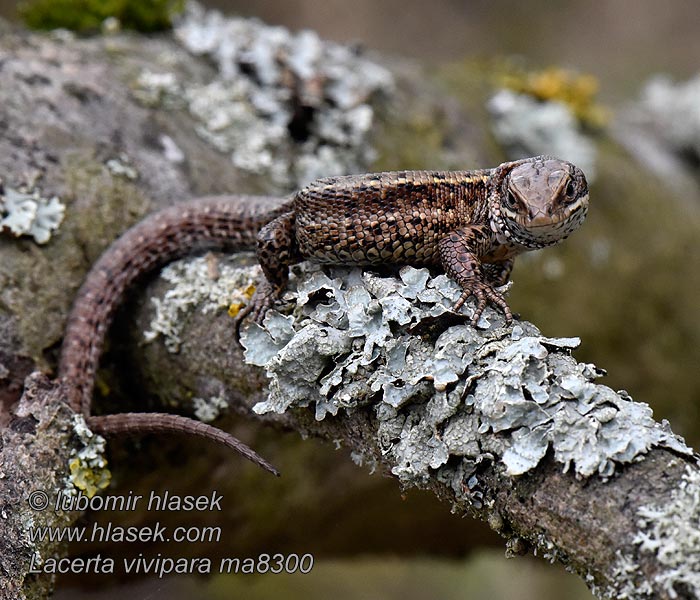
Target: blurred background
(622, 42)
(635, 272)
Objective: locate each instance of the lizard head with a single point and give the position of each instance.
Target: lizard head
(538, 201)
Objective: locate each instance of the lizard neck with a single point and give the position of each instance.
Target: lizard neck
(495, 222)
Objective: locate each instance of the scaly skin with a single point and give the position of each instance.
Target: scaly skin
(472, 223)
(226, 222)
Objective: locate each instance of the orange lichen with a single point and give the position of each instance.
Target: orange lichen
(234, 308)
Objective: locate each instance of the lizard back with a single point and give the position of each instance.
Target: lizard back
(391, 217)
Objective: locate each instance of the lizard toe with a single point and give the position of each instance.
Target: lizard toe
(263, 299)
(484, 295)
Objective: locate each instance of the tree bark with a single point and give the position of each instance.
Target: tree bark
(600, 491)
(604, 490)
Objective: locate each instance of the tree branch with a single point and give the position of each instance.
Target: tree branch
(501, 422)
(487, 419)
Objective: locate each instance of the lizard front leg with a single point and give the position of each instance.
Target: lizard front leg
(498, 272)
(459, 255)
(276, 250)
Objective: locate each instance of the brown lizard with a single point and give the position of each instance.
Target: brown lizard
(472, 223)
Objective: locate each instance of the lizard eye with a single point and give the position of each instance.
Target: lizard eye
(571, 190)
(510, 200)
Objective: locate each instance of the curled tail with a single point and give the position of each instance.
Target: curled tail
(217, 222)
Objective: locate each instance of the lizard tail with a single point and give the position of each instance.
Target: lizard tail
(128, 423)
(217, 222)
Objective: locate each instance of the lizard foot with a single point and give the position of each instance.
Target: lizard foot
(484, 293)
(263, 299)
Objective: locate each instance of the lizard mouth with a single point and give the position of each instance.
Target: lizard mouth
(548, 230)
(542, 221)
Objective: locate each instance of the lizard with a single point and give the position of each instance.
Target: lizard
(471, 223)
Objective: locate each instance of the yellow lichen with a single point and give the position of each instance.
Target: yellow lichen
(102, 387)
(234, 308)
(88, 480)
(577, 90)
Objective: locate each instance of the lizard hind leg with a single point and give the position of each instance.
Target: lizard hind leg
(277, 249)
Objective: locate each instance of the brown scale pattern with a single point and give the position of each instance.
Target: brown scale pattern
(227, 222)
(386, 217)
(472, 223)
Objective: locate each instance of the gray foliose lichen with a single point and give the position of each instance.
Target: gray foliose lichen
(288, 105)
(26, 212)
(446, 396)
(675, 109)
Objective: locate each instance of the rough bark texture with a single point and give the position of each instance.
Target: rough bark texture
(593, 523)
(66, 111)
(33, 457)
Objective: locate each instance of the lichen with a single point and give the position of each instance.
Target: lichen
(154, 89)
(527, 126)
(206, 283)
(208, 409)
(171, 151)
(461, 392)
(630, 583)
(669, 532)
(26, 212)
(288, 105)
(577, 91)
(88, 465)
(121, 167)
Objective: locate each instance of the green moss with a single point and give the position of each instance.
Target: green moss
(87, 16)
(440, 126)
(38, 283)
(412, 142)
